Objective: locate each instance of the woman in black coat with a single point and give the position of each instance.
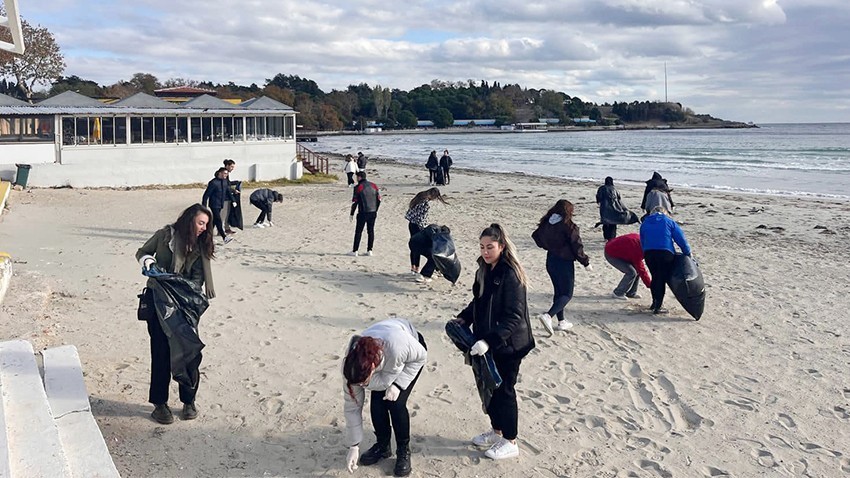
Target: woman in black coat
(432, 164)
(498, 314)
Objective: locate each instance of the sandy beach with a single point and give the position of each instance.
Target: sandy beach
(757, 387)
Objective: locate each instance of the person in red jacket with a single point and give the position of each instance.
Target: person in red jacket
(626, 254)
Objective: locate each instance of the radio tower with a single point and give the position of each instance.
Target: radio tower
(665, 82)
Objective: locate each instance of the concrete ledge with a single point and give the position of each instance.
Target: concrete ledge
(5, 274)
(5, 187)
(35, 448)
(82, 441)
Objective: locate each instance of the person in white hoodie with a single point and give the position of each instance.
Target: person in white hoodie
(350, 169)
(386, 359)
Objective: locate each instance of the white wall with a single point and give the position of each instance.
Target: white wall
(24, 153)
(140, 165)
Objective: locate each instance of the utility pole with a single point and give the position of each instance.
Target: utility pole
(665, 82)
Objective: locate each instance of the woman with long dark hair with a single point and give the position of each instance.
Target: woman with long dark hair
(386, 359)
(432, 165)
(559, 235)
(185, 248)
(417, 217)
(498, 315)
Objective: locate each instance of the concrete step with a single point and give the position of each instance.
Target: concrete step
(34, 446)
(82, 442)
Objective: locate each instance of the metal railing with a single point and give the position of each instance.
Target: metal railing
(312, 160)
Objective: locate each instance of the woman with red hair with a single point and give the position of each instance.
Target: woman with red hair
(385, 359)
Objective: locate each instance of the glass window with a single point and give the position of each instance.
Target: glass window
(159, 129)
(275, 124)
(196, 130)
(238, 125)
(251, 127)
(206, 129)
(218, 129)
(82, 130)
(135, 129)
(120, 130)
(170, 130)
(68, 131)
(228, 129)
(182, 129)
(289, 132)
(261, 127)
(147, 129)
(28, 128)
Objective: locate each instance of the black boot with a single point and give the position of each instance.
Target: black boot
(402, 461)
(375, 454)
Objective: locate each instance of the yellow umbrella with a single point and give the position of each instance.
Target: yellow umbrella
(95, 134)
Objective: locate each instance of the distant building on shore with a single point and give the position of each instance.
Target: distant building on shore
(73, 140)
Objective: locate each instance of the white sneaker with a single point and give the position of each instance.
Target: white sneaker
(488, 438)
(414, 272)
(621, 297)
(423, 279)
(564, 325)
(269, 224)
(368, 253)
(353, 253)
(502, 449)
(633, 296)
(258, 225)
(546, 320)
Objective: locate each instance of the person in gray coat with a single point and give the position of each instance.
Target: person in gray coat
(386, 359)
(263, 199)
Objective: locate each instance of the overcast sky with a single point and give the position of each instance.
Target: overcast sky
(764, 61)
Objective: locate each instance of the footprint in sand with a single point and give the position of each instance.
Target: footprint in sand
(439, 392)
(764, 458)
(845, 465)
(654, 467)
(713, 472)
(786, 421)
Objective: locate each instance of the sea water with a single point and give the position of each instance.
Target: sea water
(785, 159)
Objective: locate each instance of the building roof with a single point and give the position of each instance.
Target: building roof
(143, 100)
(6, 100)
(70, 99)
(264, 103)
(208, 102)
(184, 90)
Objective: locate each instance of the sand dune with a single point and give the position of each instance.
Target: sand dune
(758, 387)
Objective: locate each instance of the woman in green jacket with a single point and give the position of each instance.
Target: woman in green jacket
(184, 248)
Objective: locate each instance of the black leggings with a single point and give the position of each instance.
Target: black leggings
(414, 256)
(388, 415)
(161, 368)
(609, 231)
(350, 178)
(660, 264)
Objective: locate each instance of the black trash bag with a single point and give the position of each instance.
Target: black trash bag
(443, 252)
(179, 304)
(439, 177)
(487, 378)
(234, 216)
(687, 284)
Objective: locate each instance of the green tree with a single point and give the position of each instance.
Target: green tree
(443, 118)
(75, 83)
(41, 63)
(406, 119)
(145, 82)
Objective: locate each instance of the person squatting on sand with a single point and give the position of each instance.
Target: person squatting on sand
(417, 217)
(350, 169)
(626, 255)
(657, 193)
(446, 165)
(235, 191)
(385, 359)
(185, 248)
(498, 314)
(263, 199)
(218, 194)
(657, 234)
(365, 201)
(559, 235)
(432, 165)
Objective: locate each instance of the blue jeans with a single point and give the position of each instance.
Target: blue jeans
(562, 272)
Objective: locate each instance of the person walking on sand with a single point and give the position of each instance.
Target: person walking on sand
(184, 248)
(611, 209)
(659, 190)
(498, 315)
(432, 164)
(217, 195)
(235, 191)
(559, 235)
(263, 199)
(385, 359)
(658, 232)
(361, 161)
(365, 202)
(626, 255)
(350, 169)
(417, 217)
(445, 165)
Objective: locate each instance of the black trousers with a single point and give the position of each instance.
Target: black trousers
(365, 219)
(446, 175)
(217, 222)
(432, 176)
(660, 265)
(609, 231)
(161, 369)
(350, 178)
(393, 415)
(503, 410)
(414, 256)
(265, 211)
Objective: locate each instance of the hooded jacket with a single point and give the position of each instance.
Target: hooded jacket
(432, 163)
(658, 232)
(659, 183)
(498, 311)
(561, 238)
(627, 248)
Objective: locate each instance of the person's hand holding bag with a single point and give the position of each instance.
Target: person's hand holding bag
(479, 348)
(352, 457)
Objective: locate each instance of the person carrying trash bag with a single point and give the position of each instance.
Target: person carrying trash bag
(176, 260)
(487, 378)
(498, 316)
(385, 359)
(611, 210)
(436, 244)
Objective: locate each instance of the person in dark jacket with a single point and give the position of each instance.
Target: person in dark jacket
(657, 235)
(656, 183)
(611, 209)
(559, 235)
(498, 314)
(432, 165)
(361, 161)
(417, 217)
(217, 194)
(185, 248)
(365, 202)
(263, 199)
(445, 165)
(235, 191)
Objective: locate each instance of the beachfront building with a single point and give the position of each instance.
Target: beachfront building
(73, 140)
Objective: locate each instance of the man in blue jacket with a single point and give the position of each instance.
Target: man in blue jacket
(658, 232)
(365, 202)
